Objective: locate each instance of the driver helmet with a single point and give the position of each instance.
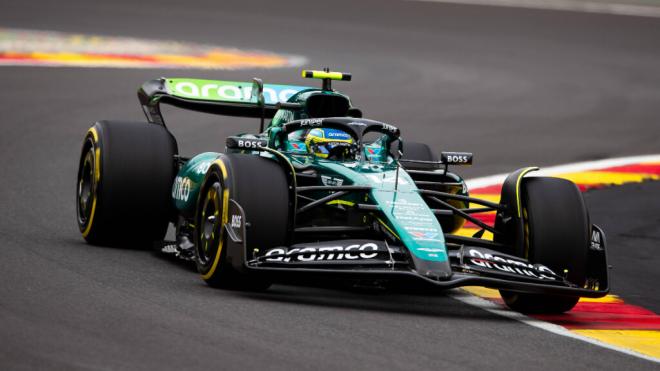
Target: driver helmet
(331, 144)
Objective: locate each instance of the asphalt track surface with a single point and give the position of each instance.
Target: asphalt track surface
(517, 87)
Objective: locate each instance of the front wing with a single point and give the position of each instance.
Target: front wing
(372, 260)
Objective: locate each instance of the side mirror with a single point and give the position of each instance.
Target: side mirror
(354, 112)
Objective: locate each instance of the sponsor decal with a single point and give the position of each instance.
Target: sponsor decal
(299, 146)
(432, 252)
(419, 235)
(414, 213)
(330, 181)
(390, 128)
(203, 167)
(373, 151)
(229, 91)
(430, 249)
(357, 123)
(236, 221)
(386, 179)
(415, 218)
(456, 158)
(423, 229)
(246, 143)
(52, 49)
(596, 240)
(181, 189)
(320, 253)
(508, 265)
(311, 122)
(337, 134)
(404, 203)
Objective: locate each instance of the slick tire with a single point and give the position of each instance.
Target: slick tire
(557, 236)
(125, 176)
(260, 187)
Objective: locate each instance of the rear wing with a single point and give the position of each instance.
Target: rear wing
(230, 98)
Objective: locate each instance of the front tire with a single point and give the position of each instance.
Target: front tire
(557, 236)
(260, 186)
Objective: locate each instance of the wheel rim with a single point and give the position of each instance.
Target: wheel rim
(86, 191)
(210, 231)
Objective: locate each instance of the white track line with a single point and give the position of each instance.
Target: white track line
(568, 168)
(599, 7)
(555, 329)
(494, 308)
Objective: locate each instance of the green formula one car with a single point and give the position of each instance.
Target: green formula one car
(324, 194)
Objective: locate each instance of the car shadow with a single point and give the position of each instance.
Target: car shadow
(340, 295)
(421, 303)
(330, 294)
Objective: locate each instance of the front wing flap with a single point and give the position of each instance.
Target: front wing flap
(379, 260)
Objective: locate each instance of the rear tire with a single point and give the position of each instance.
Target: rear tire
(125, 178)
(260, 186)
(557, 236)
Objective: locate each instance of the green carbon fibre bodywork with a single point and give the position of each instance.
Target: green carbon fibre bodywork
(229, 91)
(403, 210)
(189, 180)
(340, 192)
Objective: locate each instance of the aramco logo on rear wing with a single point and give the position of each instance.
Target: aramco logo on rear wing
(229, 91)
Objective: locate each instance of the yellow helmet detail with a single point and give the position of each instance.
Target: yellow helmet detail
(324, 142)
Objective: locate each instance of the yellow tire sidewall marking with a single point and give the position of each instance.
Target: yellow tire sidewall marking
(225, 212)
(97, 178)
(518, 201)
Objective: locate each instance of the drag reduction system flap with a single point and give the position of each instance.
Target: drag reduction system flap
(229, 98)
